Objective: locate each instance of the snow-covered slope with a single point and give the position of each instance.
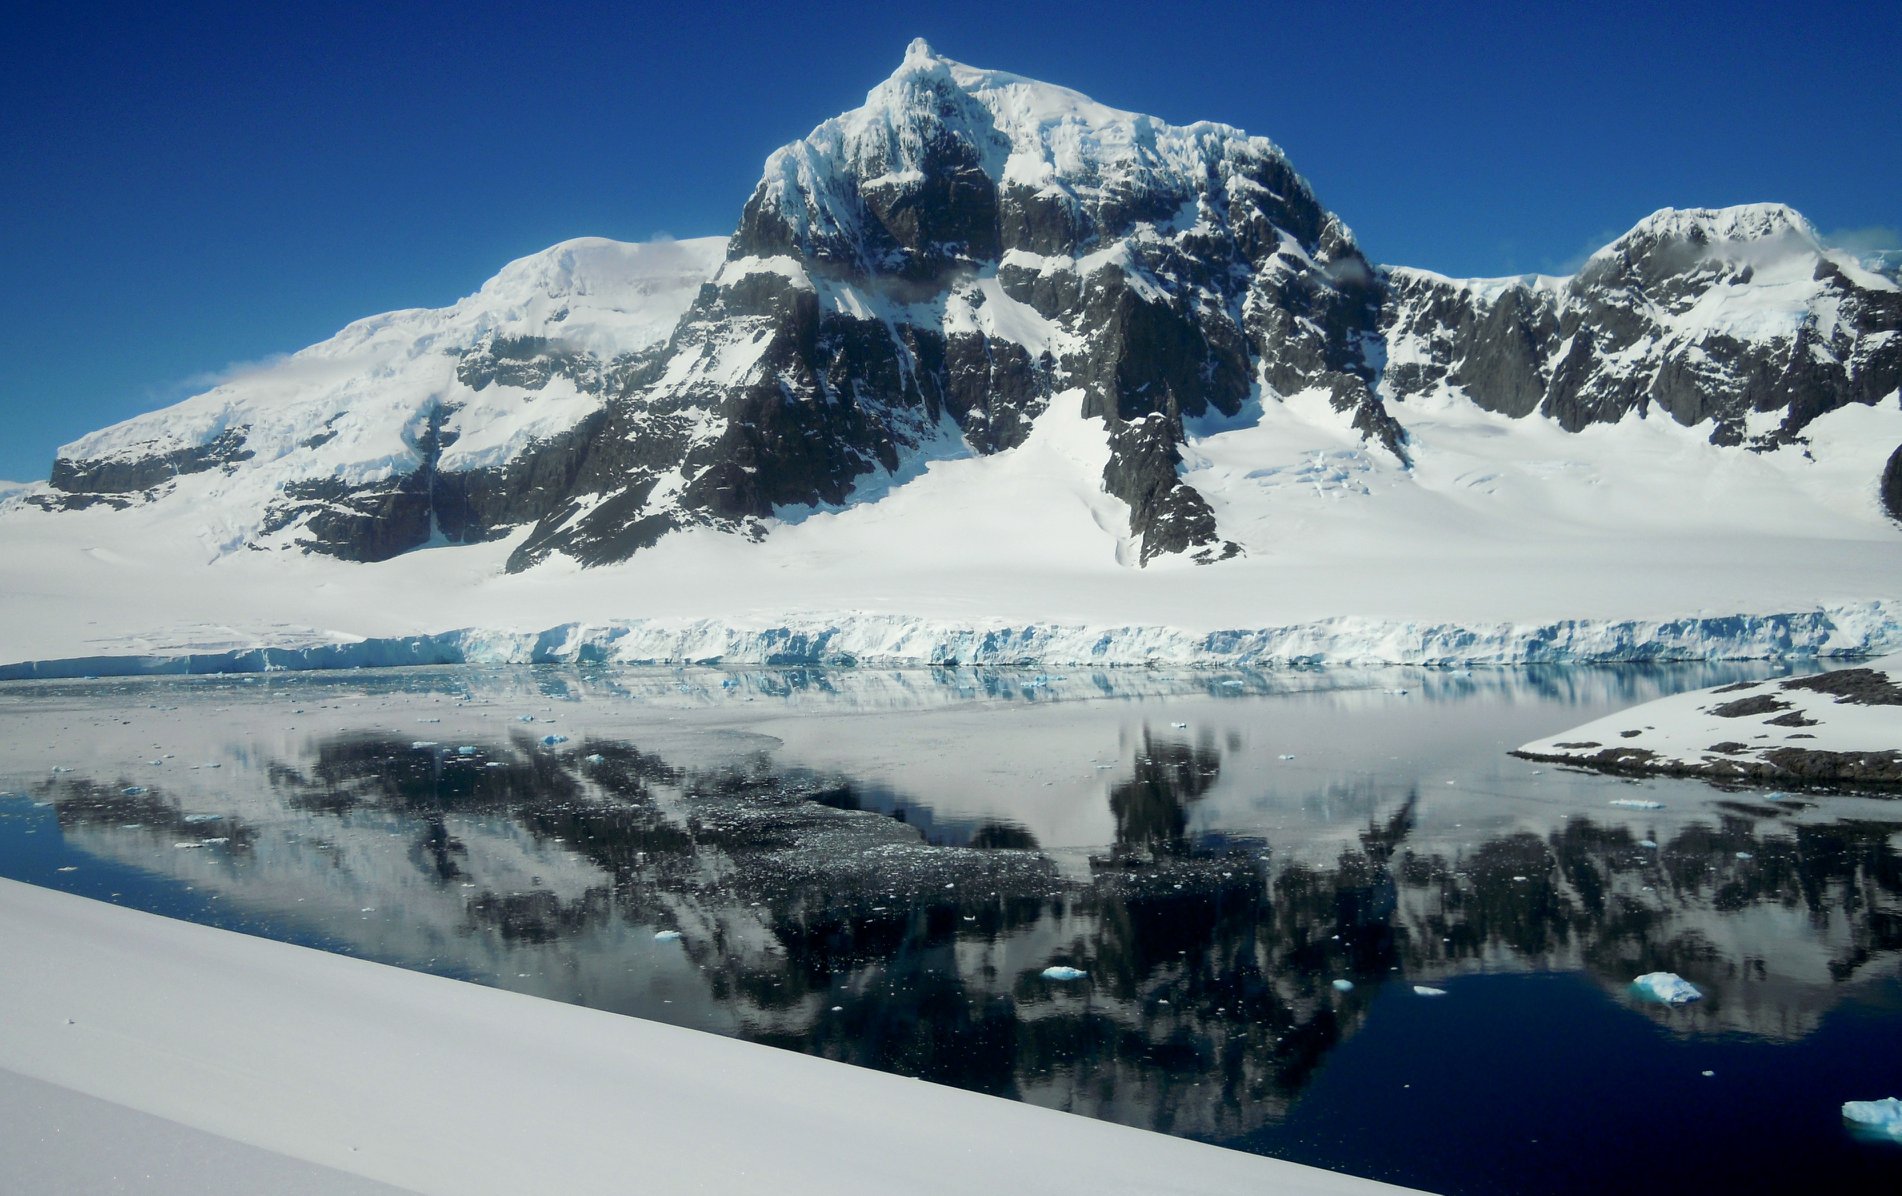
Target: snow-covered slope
(978, 351)
(405, 396)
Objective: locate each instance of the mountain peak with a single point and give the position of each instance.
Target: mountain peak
(1740, 222)
(920, 52)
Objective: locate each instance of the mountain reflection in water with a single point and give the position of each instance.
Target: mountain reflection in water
(825, 913)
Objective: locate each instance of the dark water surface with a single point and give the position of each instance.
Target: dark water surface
(1252, 872)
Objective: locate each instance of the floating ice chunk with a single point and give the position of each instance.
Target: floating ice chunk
(420, 744)
(69, 868)
(204, 818)
(1632, 803)
(1651, 843)
(465, 751)
(524, 718)
(552, 740)
(1344, 986)
(667, 936)
(133, 790)
(1286, 756)
(1875, 1118)
(1421, 990)
(61, 768)
(596, 758)
(1063, 972)
(1745, 855)
(1667, 988)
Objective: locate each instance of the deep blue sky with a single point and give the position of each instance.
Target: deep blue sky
(187, 186)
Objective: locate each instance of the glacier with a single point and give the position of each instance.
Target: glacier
(1841, 631)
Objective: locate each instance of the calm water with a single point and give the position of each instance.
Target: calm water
(877, 867)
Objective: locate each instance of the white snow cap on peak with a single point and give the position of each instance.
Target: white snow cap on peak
(1742, 222)
(920, 51)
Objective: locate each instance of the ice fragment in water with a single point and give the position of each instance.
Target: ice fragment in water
(419, 744)
(1744, 855)
(597, 758)
(1423, 991)
(1287, 755)
(204, 818)
(1668, 988)
(1180, 726)
(1875, 1118)
(1064, 972)
(552, 740)
(1627, 803)
(666, 936)
(1345, 986)
(1647, 842)
(465, 751)
(133, 790)
(524, 718)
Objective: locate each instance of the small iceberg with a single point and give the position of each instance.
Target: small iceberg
(1180, 726)
(1064, 972)
(1344, 986)
(552, 740)
(596, 758)
(133, 790)
(1875, 1118)
(1421, 990)
(465, 751)
(524, 718)
(1628, 803)
(1286, 756)
(417, 745)
(667, 936)
(1666, 988)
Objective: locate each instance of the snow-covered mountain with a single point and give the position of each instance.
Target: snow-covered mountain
(983, 346)
(450, 422)
(924, 276)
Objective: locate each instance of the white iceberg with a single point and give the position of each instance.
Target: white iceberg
(552, 740)
(1875, 1118)
(1627, 803)
(1064, 972)
(666, 936)
(1422, 990)
(1667, 988)
(1346, 986)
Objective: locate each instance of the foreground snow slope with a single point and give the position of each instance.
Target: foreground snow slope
(433, 1085)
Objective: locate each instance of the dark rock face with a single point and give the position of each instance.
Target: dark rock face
(1889, 489)
(129, 475)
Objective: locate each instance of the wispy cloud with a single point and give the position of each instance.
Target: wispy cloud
(1876, 238)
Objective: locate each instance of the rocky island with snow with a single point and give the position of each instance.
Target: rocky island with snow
(1839, 728)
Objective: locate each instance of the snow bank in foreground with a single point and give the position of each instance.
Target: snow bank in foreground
(436, 1085)
(1849, 630)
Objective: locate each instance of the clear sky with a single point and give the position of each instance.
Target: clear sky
(188, 186)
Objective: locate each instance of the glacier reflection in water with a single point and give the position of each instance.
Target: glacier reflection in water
(1251, 872)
